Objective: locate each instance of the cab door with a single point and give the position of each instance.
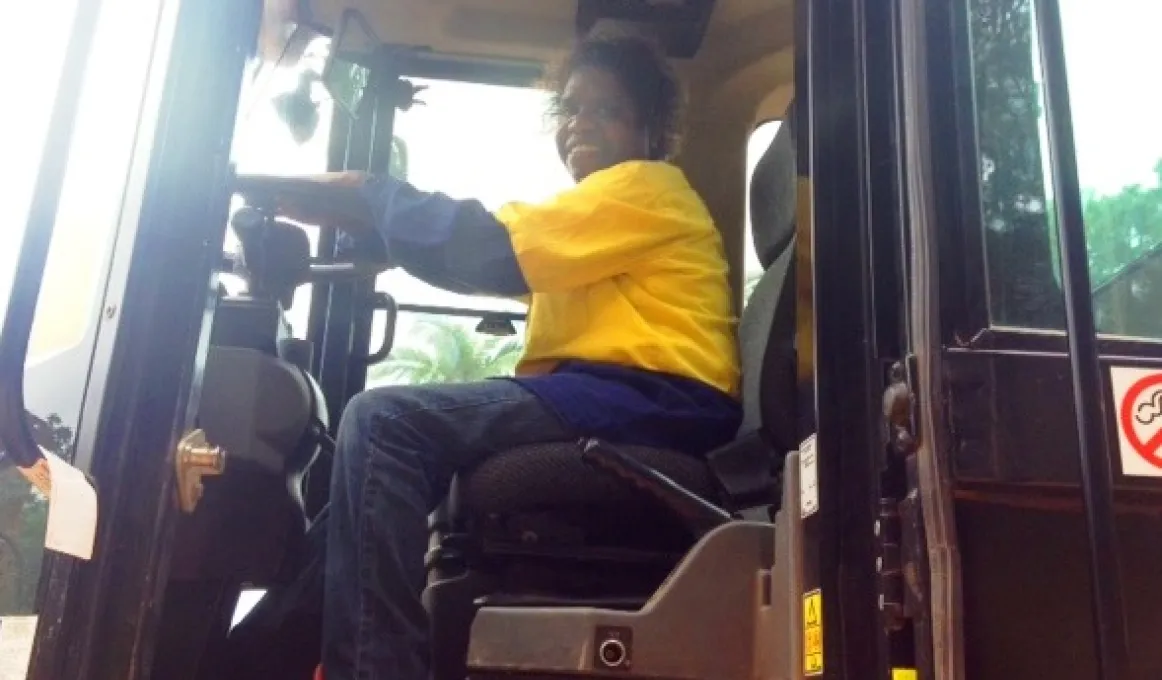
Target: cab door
(114, 220)
(1034, 168)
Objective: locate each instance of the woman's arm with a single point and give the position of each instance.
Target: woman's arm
(451, 244)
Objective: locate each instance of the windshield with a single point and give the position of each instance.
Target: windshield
(468, 140)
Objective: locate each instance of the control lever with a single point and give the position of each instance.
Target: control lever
(275, 254)
(700, 515)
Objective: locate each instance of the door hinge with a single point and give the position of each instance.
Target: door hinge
(899, 410)
(892, 559)
(889, 570)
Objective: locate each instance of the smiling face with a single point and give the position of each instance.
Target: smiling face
(597, 125)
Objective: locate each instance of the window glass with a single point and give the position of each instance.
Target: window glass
(437, 348)
(1113, 55)
(264, 144)
(1112, 58)
(467, 140)
(756, 146)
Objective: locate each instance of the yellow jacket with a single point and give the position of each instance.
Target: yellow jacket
(626, 268)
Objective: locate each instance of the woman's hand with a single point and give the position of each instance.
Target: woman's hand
(333, 199)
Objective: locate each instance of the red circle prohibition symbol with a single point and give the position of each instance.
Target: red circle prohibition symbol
(1149, 449)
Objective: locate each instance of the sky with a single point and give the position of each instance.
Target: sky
(1114, 60)
(493, 144)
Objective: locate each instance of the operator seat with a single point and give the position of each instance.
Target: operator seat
(534, 537)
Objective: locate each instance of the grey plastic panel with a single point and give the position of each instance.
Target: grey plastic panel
(701, 624)
(783, 638)
(255, 406)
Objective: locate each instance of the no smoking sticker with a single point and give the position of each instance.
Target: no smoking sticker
(1137, 396)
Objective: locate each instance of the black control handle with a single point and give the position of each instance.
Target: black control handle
(698, 514)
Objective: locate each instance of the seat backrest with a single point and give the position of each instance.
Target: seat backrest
(767, 328)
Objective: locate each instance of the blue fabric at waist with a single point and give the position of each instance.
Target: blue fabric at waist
(631, 406)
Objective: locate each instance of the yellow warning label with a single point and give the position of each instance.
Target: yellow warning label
(903, 674)
(813, 633)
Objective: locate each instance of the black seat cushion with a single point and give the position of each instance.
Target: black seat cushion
(547, 476)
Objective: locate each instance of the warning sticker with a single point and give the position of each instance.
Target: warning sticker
(1137, 396)
(903, 674)
(813, 633)
(808, 478)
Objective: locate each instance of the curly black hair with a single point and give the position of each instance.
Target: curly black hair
(646, 75)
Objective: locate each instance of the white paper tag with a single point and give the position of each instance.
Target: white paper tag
(808, 478)
(72, 506)
(17, 633)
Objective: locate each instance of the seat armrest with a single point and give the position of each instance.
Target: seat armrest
(746, 471)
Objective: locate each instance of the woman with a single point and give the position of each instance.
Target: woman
(630, 337)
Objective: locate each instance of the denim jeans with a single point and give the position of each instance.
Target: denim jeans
(396, 452)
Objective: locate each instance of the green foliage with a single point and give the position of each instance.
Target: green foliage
(1122, 228)
(1124, 235)
(440, 351)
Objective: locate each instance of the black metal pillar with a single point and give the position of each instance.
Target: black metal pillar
(1089, 405)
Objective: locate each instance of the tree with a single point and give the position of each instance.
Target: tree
(440, 351)
(1023, 290)
(1122, 228)
(1124, 236)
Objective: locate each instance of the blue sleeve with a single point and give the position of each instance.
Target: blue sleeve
(451, 244)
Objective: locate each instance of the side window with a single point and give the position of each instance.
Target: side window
(756, 145)
(469, 140)
(1111, 54)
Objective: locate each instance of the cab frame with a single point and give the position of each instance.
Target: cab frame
(886, 367)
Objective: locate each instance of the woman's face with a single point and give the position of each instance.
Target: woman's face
(598, 126)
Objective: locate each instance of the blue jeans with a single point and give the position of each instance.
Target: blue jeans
(396, 453)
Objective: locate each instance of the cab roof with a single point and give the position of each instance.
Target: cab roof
(734, 44)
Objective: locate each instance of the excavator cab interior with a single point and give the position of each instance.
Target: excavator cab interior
(533, 566)
(944, 256)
